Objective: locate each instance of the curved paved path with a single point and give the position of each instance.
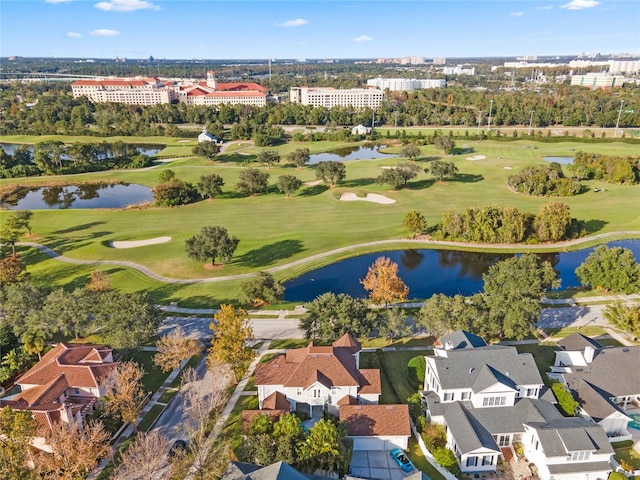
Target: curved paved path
(487, 247)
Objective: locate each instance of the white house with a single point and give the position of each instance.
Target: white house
(604, 380)
(489, 398)
(206, 136)
(360, 130)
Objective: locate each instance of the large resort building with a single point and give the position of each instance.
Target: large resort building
(405, 84)
(153, 91)
(358, 98)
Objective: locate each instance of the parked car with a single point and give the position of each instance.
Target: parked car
(402, 460)
(178, 448)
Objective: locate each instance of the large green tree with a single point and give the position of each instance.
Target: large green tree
(210, 186)
(252, 181)
(415, 222)
(411, 151)
(288, 184)
(553, 221)
(261, 289)
(441, 314)
(299, 157)
(625, 317)
(614, 269)
(231, 334)
(269, 157)
(211, 243)
(442, 170)
(398, 176)
(326, 448)
(331, 173)
(330, 316)
(513, 289)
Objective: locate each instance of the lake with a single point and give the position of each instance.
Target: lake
(560, 160)
(78, 196)
(148, 150)
(349, 153)
(426, 272)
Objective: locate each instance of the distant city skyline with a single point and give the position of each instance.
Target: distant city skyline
(213, 29)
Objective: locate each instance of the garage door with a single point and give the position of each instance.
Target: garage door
(368, 444)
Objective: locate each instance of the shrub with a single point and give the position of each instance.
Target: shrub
(617, 476)
(447, 459)
(566, 401)
(434, 436)
(417, 369)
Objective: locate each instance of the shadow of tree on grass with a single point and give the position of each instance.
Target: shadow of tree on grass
(269, 254)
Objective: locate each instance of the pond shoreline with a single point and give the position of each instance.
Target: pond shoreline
(8, 190)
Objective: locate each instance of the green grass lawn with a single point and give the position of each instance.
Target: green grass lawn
(154, 377)
(150, 417)
(396, 387)
(629, 455)
(420, 462)
(233, 426)
(544, 356)
(274, 230)
(589, 331)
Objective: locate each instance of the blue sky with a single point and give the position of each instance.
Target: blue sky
(213, 29)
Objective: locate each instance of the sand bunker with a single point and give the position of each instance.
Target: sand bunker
(477, 157)
(371, 197)
(313, 184)
(140, 243)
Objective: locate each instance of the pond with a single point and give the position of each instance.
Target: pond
(560, 160)
(148, 150)
(350, 153)
(426, 272)
(78, 196)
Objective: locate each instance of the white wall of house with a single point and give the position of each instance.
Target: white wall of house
(380, 443)
(615, 423)
(497, 395)
(316, 394)
(567, 359)
(369, 399)
(529, 391)
(480, 460)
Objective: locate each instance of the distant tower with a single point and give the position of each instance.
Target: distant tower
(211, 79)
(325, 75)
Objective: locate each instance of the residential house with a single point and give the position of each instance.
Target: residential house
(490, 398)
(275, 471)
(63, 386)
(604, 380)
(317, 379)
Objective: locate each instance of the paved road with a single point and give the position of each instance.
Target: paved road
(579, 316)
(264, 329)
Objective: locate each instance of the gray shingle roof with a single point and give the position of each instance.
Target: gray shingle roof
(561, 436)
(248, 471)
(462, 339)
(511, 419)
(576, 343)
(461, 368)
(469, 433)
(579, 467)
(614, 370)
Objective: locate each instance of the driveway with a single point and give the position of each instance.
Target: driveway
(376, 464)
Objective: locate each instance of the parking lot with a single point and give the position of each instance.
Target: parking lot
(376, 464)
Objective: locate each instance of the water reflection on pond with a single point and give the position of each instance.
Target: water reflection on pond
(78, 196)
(429, 271)
(364, 152)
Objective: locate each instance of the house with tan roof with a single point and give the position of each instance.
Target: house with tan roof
(318, 379)
(63, 386)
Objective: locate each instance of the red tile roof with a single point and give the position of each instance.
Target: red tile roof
(370, 383)
(276, 401)
(376, 420)
(82, 365)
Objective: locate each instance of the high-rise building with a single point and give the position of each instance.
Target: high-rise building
(331, 97)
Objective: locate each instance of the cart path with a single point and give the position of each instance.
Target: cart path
(414, 243)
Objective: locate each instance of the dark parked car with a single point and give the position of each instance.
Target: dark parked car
(402, 460)
(178, 447)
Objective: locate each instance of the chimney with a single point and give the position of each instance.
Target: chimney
(589, 352)
(448, 346)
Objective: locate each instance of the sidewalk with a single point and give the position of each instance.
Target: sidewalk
(235, 396)
(128, 430)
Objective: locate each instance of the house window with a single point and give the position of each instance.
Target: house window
(472, 461)
(448, 397)
(537, 445)
(466, 395)
(316, 393)
(578, 456)
(487, 460)
(494, 401)
(77, 390)
(299, 391)
(532, 392)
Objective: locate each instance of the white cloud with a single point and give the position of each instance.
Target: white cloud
(516, 14)
(296, 22)
(580, 4)
(74, 35)
(546, 7)
(105, 32)
(362, 38)
(125, 5)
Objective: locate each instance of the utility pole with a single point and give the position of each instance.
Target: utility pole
(531, 121)
(615, 134)
(490, 110)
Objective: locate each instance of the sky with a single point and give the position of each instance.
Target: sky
(242, 29)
